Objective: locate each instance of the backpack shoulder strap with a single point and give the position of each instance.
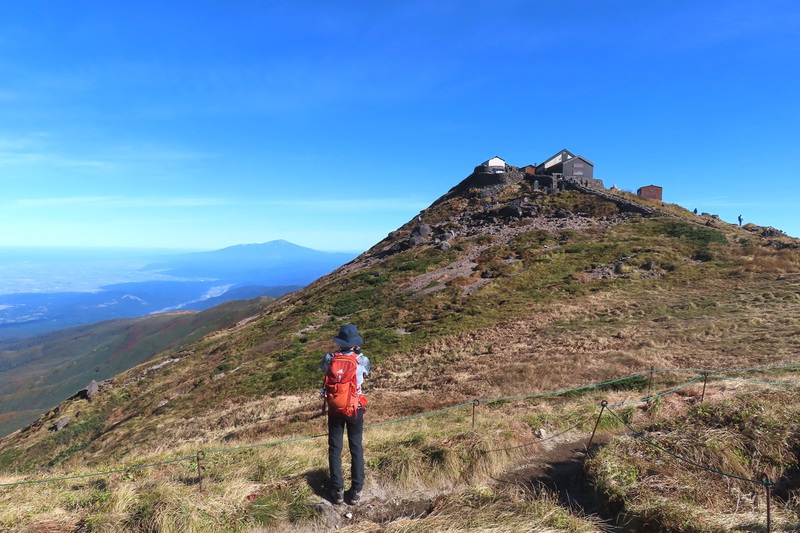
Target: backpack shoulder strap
(340, 355)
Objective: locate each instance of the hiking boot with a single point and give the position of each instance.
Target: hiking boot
(338, 496)
(355, 497)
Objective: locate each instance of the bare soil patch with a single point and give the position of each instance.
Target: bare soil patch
(558, 467)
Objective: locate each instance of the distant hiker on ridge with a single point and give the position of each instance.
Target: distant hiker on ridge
(344, 373)
(740, 220)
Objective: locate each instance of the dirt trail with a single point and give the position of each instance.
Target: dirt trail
(559, 468)
(555, 463)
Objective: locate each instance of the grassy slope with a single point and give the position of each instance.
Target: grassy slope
(39, 372)
(565, 306)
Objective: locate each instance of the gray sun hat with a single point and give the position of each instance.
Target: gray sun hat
(348, 336)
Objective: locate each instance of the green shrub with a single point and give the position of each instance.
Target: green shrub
(352, 302)
(692, 234)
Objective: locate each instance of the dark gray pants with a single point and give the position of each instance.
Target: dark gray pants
(355, 430)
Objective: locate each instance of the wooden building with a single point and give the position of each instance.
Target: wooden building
(568, 165)
(651, 192)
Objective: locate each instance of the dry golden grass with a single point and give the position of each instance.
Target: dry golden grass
(437, 457)
(483, 508)
(424, 456)
(725, 444)
(602, 336)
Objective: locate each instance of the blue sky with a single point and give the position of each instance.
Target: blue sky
(205, 124)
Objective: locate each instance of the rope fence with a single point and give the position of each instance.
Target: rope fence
(763, 480)
(316, 436)
(543, 439)
(655, 396)
(657, 446)
(704, 375)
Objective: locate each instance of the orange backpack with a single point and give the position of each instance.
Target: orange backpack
(341, 386)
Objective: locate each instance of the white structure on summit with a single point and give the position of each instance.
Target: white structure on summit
(495, 164)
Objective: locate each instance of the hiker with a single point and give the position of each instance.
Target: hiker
(344, 373)
(740, 220)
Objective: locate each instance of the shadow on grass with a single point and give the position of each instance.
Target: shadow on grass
(319, 482)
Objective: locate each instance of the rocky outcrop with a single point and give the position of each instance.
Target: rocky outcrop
(485, 184)
(623, 204)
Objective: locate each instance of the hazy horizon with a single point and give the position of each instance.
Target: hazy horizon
(72, 270)
(47, 269)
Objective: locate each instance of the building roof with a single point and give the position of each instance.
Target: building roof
(486, 163)
(563, 150)
(579, 157)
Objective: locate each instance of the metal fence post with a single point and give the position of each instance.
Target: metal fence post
(475, 404)
(200, 456)
(768, 486)
(705, 380)
(650, 384)
(603, 405)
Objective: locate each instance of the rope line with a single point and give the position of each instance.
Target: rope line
(537, 441)
(565, 391)
(728, 370)
(418, 415)
(654, 396)
(134, 468)
(265, 444)
(641, 435)
(442, 410)
(738, 380)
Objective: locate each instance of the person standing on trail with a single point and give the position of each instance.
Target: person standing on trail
(344, 374)
(740, 220)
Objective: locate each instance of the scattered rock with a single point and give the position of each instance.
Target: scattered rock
(510, 211)
(771, 232)
(161, 364)
(329, 515)
(423, 230)
(61, 424)
(92, 390)
(416, 240)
